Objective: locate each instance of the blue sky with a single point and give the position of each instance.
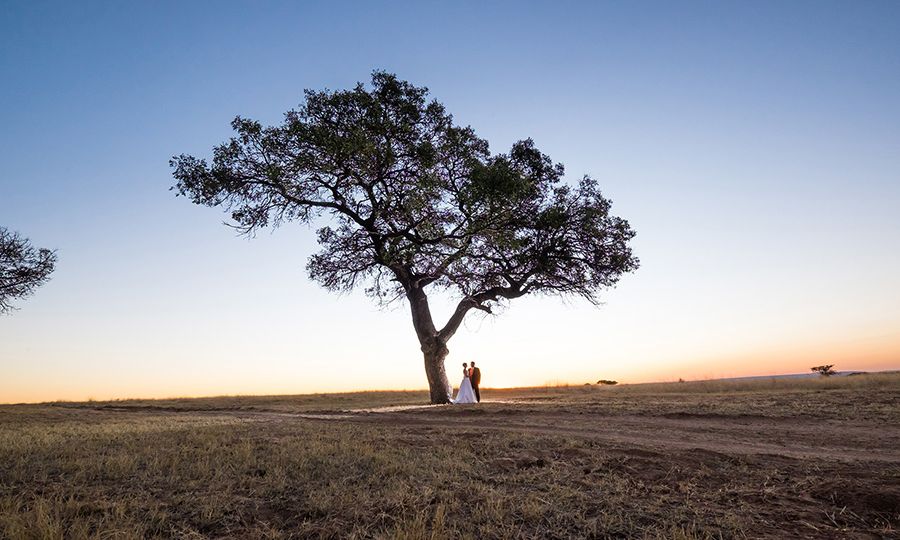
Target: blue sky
(755, 147)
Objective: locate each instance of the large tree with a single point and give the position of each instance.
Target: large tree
(23, 268)
(414, 203)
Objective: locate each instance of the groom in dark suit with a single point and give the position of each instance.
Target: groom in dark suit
(475, 379)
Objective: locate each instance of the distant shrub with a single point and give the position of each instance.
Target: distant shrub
(824, 371)
(607, 382)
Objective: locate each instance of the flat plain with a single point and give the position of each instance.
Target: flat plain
(774, 458)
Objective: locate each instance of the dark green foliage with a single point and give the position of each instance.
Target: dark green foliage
(413, 199)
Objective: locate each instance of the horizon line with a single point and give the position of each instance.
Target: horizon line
(548, 385)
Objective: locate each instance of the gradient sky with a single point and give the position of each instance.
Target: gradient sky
(754, 146)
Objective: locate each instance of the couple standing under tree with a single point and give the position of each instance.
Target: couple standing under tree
(468, 388)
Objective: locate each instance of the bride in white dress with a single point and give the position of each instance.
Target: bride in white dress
(465, 394)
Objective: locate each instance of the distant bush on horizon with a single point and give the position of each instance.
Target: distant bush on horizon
(826, 370)
(811, 382)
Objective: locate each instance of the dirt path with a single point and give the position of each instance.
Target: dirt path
(845, 441)
(794, 438)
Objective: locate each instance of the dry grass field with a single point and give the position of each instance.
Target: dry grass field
(756, 459)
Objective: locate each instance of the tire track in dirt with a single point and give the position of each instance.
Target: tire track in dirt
(785, 437)
(717, 435)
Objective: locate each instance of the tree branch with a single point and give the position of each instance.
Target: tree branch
(477, 301)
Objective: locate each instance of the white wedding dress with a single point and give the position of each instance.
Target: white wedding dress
(465, 394)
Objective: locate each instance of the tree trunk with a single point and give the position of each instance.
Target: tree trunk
(440, 388)
(433, 347)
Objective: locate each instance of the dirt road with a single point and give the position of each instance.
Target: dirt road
(840, 440)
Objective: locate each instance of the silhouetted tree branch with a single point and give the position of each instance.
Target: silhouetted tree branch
(23, 268)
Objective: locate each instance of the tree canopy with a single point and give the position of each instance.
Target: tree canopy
(414, 201)
(23, 268)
